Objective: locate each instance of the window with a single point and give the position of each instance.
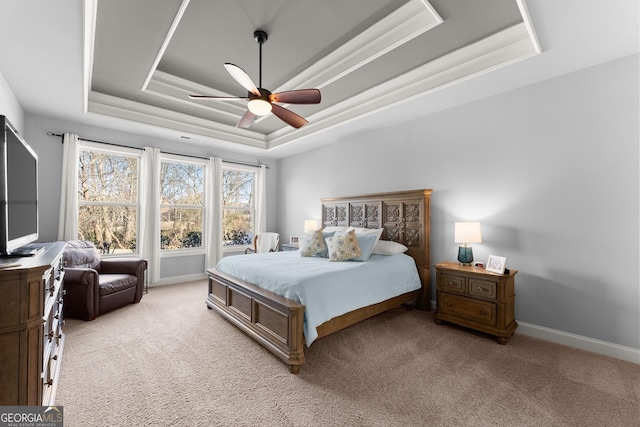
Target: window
(108, 204)
(238, 210)
(181, 204)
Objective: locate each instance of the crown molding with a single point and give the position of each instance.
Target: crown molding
(501, 49)
(413, 18)
(100, 103)
(404, 24)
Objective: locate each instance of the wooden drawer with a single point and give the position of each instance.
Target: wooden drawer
(31, 333)
(452, 283)
(482, 288)
(468, 308)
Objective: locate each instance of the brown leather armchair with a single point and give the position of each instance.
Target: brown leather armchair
(96, 286)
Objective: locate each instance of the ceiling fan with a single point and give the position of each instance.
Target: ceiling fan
(261, 101)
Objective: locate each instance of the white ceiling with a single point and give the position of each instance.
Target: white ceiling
(130, 64)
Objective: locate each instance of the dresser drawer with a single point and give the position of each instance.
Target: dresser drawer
(482, 288)
(468, 308)
(452, 283)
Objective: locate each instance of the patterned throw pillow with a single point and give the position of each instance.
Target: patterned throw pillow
(343, 247)
(312, 243)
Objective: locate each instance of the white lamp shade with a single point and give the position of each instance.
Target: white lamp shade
(310, 225)
(467, 232)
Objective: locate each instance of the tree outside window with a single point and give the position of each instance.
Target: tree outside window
(181, 205)
(238, 195)
(108, 205)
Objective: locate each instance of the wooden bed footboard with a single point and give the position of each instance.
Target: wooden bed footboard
(271, 319)
(276, 322)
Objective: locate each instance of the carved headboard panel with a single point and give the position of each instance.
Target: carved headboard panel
(404, 216)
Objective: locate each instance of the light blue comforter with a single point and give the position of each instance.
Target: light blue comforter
(327, 289)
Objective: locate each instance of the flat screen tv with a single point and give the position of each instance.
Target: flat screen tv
(19, 222)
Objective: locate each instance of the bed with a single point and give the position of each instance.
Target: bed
(279, 323)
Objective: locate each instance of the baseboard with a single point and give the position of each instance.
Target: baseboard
(179, 279)
(604, 348)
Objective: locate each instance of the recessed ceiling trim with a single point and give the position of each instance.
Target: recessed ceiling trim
(524, 11)
(397, 28)
(101, 103)
(407, 22)
(167, 40)
(498, 50)
(89, 9)
(501, 49)
(177, 89)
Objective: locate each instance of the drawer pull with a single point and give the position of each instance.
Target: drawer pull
(483, 312)
(450, 283)
(449, 304)
(480, 288)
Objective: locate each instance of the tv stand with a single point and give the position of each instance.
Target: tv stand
(24, 251)
(31, 319)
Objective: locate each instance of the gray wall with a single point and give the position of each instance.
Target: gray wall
(552, 173)
(49, 150)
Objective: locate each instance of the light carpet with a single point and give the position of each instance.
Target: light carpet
(169, 361)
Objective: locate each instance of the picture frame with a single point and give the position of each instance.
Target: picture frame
(294, 240)
(496, 264)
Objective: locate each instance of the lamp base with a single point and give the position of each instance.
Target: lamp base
(465, 255)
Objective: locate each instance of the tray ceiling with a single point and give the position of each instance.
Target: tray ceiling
(143, 60)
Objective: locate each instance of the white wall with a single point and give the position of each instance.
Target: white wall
(552, 173)
(49, 150)
(9, 106)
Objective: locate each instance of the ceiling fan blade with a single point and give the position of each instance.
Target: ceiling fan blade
(241, 77)
(288, 116)
(300, 96)
(246, 120)
(217, 98)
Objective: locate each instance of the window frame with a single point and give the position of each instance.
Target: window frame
(226, 250)
(173, 158)
(116, 150)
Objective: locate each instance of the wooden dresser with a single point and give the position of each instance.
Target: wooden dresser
(477, 299)
(31, 337)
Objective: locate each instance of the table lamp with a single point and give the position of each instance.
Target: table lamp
(310, 225)
(465, 233)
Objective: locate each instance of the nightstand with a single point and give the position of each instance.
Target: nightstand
(289, 247)
(477, 299)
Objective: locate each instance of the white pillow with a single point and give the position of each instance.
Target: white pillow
(387, 247)
(362, 230)
(334, 228)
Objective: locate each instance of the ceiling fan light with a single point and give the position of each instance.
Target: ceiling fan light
(259, 107)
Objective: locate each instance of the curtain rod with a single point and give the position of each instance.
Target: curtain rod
(164, 152)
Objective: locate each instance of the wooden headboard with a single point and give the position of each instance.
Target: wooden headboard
(404, 216)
